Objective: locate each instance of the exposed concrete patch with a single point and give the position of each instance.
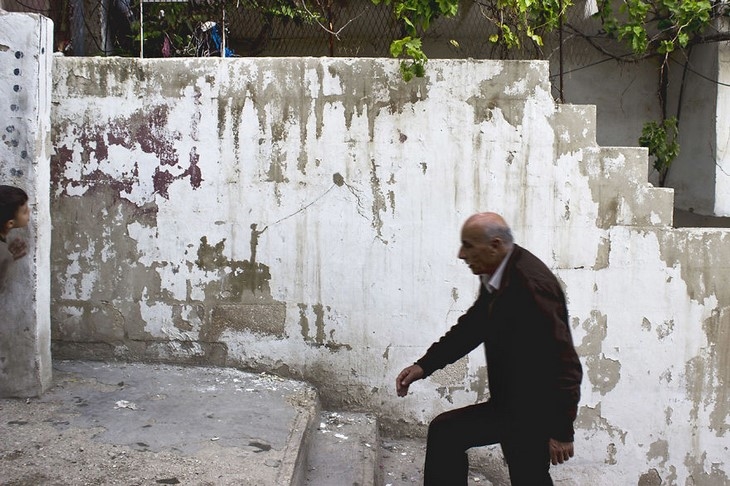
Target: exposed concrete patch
(695, 253)
(265, 319)
(451, 379)
(239, 279)
(701, 475)
(604, 373)
(708, 374)
(589, 418)
(596, 329)
(659, 450)
(650, 478)
(480, 385)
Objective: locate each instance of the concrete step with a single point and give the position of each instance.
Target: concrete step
(402, 464)
(620, 184)
(575, 127)
(343, 451)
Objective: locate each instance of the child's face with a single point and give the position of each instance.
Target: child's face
(22, 216)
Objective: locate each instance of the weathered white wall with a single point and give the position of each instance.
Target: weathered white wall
(302, 215)
(25, 76)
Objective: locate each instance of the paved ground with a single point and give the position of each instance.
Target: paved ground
(135, 424)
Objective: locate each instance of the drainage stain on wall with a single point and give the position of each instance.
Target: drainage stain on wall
(318, 337)
(708, 374)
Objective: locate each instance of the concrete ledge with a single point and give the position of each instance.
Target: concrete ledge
(344, 450)
(148, 424)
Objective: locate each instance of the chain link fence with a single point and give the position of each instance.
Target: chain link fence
(276, 28)
(174, 28)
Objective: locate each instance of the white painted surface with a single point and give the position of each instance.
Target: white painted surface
(357, 185)
(25, 76)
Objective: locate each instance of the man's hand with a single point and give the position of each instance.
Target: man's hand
(406, 377)
(18, 248)
(560, 452)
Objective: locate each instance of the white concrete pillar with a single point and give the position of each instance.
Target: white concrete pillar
(722, 129)
(700, 175)
(26, 53)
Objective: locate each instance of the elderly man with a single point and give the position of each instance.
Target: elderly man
(534, 373)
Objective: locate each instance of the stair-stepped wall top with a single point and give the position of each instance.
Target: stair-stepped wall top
(303, 216)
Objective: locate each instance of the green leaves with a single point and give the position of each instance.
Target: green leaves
(661, 140)
(659, 26)
(416, 17)
(411, 48)
(519, 22)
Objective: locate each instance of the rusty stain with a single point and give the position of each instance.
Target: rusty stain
(146, 130)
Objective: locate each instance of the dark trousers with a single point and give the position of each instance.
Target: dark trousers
(450, 434)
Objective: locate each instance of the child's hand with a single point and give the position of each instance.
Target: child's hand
(18, 248)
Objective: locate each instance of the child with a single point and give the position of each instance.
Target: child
(14, 213)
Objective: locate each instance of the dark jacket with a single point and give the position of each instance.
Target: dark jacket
(533, 369)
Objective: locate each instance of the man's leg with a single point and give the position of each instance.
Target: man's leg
(528, 459)
(450, 435)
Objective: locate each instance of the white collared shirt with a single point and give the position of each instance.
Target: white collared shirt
(494, 281)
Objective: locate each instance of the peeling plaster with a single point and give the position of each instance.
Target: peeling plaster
(708, 375)
(701, 475)
(706, 272)
(590, 418)
(185, 230)
(603, 373)
(650, 478)
(658, 450)
(451, 379)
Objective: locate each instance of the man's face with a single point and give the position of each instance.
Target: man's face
(482, 256)
(22, 216)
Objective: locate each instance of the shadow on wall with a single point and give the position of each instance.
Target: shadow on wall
(688, 219)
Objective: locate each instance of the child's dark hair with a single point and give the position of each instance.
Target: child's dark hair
(11, 199)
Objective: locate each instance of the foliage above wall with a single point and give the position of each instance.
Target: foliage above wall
(656, 31)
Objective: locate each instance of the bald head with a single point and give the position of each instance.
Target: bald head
(485, 240)
(491, 225)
